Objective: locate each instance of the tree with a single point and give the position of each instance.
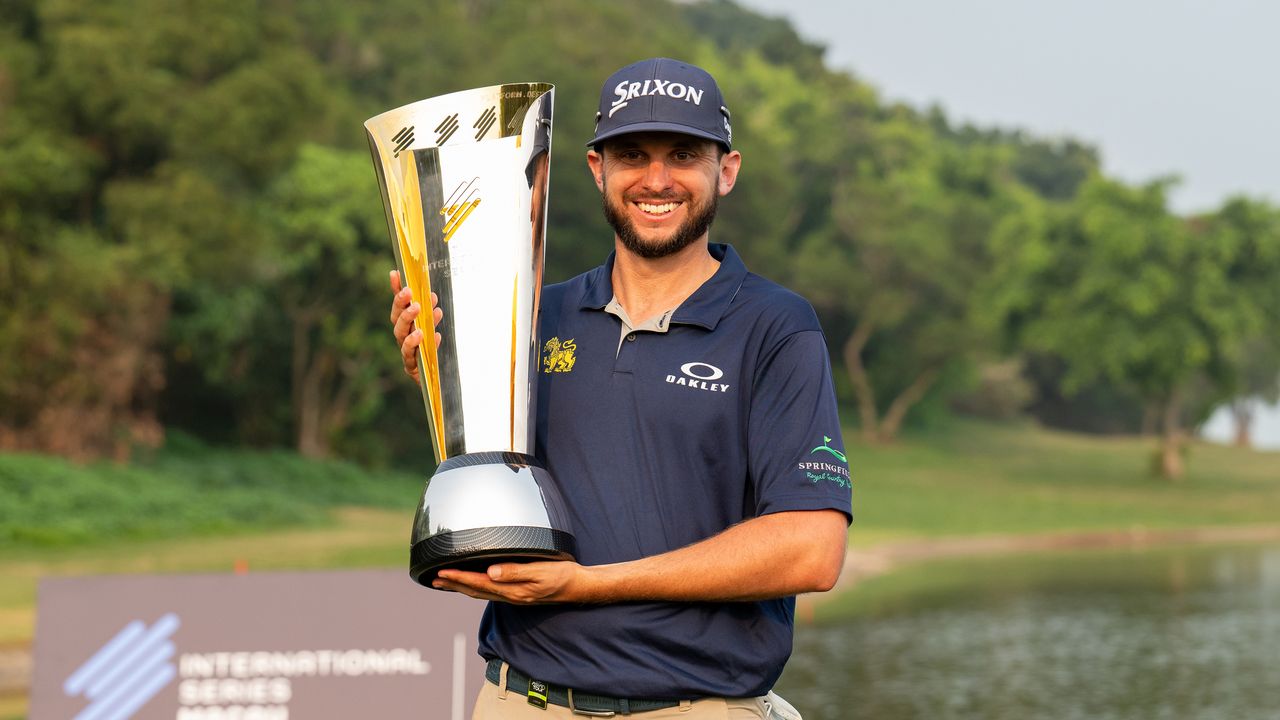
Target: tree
(331, 258)
(1248, 235)
(901, 261)
(1121, 289)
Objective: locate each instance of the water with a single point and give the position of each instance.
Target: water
(1170, 634)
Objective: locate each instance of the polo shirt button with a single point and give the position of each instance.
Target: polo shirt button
(631, 337)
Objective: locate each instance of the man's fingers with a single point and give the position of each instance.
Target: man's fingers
(404, 323)
(404, 312)
(400, 302)
(510, 572)
(469, 583)
(409, 354)
(466, 590)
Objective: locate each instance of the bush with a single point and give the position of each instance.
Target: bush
(185, 489)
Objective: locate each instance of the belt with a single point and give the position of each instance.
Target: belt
(580, 703)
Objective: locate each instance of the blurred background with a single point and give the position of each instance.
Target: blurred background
(1044, 244)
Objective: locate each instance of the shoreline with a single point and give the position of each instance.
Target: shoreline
(863, 564)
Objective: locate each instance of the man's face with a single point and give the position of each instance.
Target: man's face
(660, 190)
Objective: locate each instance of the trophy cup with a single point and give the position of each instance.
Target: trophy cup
(464, 180)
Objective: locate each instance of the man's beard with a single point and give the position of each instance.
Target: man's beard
(694, 227)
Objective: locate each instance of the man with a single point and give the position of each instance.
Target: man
(695, 439)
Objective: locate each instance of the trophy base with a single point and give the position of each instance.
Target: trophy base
(477, 549)
(484, 508)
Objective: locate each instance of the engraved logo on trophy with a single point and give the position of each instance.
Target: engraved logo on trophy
(446, 129)
(459, 206)
(402, 139)
(484, 122)
(489, 499)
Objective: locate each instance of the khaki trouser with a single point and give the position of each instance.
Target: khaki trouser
(495, 703)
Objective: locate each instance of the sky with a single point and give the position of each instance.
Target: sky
(1159, 86)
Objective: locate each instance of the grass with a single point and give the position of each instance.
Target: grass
(978, 478)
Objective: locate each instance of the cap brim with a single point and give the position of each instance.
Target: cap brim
(659, 127)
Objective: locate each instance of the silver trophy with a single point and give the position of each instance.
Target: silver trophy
(464, 184)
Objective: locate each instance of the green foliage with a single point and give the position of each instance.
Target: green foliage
(191, 490)
(1124, 291)
(190, 231)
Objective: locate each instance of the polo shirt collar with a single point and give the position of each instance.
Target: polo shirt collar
(703, 308)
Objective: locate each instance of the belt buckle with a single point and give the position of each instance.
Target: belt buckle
(588, 713)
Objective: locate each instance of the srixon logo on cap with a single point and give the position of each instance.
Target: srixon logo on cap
(628, 91)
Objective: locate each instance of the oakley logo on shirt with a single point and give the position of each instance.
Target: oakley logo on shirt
(699, 376)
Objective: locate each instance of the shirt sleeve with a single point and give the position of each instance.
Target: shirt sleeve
(796, 449)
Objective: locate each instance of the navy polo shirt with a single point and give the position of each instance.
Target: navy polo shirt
(659, 442)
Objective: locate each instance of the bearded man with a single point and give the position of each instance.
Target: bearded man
(694, 437)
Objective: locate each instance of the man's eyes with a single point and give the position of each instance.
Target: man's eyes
(677, 156)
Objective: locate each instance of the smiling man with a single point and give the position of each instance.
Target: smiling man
(679, 408)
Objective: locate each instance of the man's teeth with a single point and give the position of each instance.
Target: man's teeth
(657, 209)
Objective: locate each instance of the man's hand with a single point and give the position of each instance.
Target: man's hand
(403, 312)
(521, 583)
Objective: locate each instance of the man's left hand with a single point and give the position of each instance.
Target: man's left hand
(518, 583)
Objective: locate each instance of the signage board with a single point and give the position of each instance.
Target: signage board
(262, 646)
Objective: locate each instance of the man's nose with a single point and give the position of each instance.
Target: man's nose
(657, 176)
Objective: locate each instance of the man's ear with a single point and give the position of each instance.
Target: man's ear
(730, 164)
(596, 163)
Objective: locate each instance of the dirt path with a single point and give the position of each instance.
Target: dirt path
(15, 670)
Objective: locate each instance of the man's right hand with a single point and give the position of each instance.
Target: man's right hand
(403, 312)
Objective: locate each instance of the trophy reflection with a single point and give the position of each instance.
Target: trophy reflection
(464, 181)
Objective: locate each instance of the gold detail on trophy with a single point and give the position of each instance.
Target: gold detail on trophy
(560, 356)
(459, 206)
(407, 212)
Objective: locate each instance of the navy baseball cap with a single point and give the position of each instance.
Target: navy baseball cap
(661, 94)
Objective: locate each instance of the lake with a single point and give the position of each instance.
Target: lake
(1168, 634)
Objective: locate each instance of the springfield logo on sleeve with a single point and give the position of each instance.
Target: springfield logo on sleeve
(126, 672)
(826, 447)
(821, 471)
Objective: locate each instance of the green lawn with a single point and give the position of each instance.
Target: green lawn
(976, 478)
(202, 510)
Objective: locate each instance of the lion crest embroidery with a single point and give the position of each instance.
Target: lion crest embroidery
(559, 356)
